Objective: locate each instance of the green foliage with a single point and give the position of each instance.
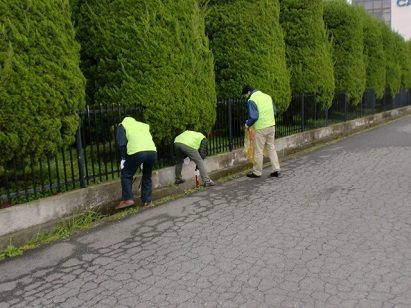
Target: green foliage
(406, 65)
(75, 223)
(392, 42)
(344, 24)
(308, 50)
(374, 53)
(68, 227)
(150, 52)
(41, 85)
(10, 251)
(248, 46)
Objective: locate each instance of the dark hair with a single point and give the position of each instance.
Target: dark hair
(246, 89)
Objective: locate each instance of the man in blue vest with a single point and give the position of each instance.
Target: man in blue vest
(261, 112)
(193, 145)
(135, 145)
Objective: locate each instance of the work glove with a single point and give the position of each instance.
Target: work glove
(123, 161)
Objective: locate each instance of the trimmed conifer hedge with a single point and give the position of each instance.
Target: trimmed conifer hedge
(150, 52)
(344, 24)
(392, 42)
(407, 66)
(41, 85)
(374, 54)
(308, 49)
(248, 46)
(161, 53)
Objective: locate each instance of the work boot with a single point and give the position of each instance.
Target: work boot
(252, 175)
(276, 174)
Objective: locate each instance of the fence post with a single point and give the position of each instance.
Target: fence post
(362, 106)
(230, 125)
(302, 112)
(80, 158)
(326, 117)
(171, 153)
(345, 107)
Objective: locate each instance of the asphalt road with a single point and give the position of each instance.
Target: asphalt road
(334, 231)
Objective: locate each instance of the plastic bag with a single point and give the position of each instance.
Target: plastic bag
(249, 144)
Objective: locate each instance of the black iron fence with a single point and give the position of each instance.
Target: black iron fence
(93, 159)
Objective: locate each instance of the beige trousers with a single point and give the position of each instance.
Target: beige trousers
(265, 137)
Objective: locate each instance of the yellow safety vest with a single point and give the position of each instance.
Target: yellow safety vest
(265, 108)
(138, 136)
(190, 138)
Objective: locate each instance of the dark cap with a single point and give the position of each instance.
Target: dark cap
(246, 89)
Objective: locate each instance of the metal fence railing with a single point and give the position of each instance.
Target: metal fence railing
(93, 158)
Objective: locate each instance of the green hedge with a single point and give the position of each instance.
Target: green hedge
(308, 49)
(150, 52)
(406, 65)
(41, 85)
(248, 46)
(374, 54)
(392, 42)
(176, 57)
(344, 24)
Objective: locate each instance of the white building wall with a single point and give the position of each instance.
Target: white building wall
(401, 17)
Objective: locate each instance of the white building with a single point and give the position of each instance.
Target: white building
(396, 13)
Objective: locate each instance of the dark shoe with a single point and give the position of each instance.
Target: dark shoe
(179, 181)
(209, 183)
(276, 174)
(252, 175)
(146, 204)
(123, 204)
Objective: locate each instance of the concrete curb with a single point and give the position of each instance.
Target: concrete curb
(20, 223)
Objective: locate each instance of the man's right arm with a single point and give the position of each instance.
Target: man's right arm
(252, 113)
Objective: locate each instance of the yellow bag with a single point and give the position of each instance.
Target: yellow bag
(249, 144)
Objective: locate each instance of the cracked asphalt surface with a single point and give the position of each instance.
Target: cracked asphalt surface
(334, 231)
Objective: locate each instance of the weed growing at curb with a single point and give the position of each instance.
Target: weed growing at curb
(10, 252)
(65, 229)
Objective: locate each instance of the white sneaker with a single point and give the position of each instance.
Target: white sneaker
(209, 183)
